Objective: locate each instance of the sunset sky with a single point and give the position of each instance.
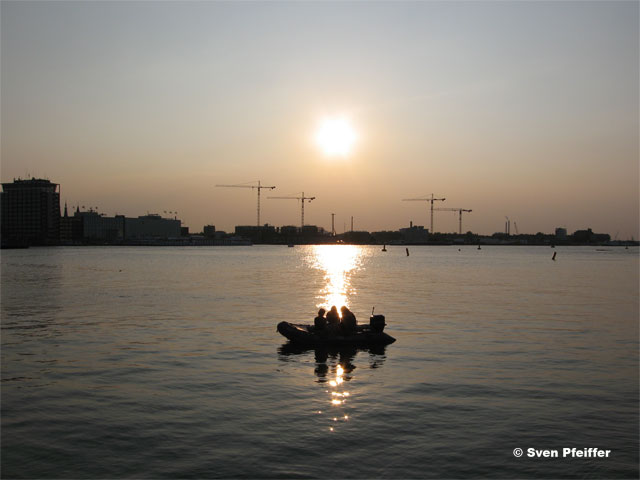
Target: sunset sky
(518, 109)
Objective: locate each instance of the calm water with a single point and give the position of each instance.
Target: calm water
(165, 363)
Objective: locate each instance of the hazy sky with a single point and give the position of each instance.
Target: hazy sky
(525, 110)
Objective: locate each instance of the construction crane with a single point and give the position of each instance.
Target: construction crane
(247, 185)
(459, 210)
(427, 199)
(295, 197)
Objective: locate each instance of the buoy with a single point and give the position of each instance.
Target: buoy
(384, 248)
(554, 256)
(407, 252)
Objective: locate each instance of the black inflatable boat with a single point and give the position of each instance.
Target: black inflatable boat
(366, 335)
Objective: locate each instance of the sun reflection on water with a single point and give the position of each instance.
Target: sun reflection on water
(334, 371)
(338, 398)
(338, 263)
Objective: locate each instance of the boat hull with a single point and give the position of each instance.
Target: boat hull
(305, 335)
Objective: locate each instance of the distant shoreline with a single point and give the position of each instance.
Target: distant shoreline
(249, 244)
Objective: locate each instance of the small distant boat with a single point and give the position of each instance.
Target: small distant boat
(366, 335)
(290, 245)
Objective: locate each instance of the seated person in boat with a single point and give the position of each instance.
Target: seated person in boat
(349, 323)
(320, 323)
(333, 321)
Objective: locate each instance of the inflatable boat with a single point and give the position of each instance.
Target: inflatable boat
(365, 335)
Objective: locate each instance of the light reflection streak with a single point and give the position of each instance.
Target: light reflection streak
(338, 398)
(334, 369)
(337, 262)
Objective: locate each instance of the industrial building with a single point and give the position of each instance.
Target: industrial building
(416, 234)
(99, 228)
(151, 226)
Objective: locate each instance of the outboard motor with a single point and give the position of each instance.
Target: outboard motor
(376, 323)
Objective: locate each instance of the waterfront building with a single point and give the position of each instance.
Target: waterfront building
(70, 229)
(98, 227)
(309, 231)
(263, 234)
(415, 234)
(588, 236)
(95, 227)
(561, 234)
(151, 226)
(386, 236)
(209, 231)
(287, 231)
(30, 212)
(357, 237)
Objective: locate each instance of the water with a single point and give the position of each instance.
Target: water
(165, 363)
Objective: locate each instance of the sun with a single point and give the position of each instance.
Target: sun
(335, 136)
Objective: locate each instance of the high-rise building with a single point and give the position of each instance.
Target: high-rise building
(30, 212)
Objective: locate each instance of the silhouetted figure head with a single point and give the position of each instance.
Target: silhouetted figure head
(320, 322)
(348, 323)
(333, 317)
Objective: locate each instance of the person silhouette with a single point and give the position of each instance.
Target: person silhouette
(320, 323)
(333, 320)
(349, 323)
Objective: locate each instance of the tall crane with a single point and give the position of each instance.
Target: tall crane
(247, 185)
(427, 199)
(295, 197)
(459, 210)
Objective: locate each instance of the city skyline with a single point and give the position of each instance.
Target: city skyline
(510, 226)
(519, 110)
